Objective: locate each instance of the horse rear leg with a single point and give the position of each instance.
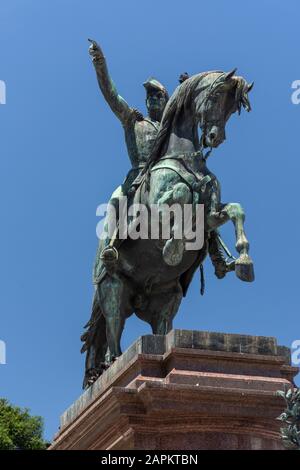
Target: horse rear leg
(161, 310)
(112, 300)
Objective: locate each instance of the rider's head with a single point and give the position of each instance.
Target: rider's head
(156, 98)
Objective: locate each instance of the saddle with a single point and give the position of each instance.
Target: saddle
(184, 166)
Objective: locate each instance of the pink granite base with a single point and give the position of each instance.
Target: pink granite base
(183, 398)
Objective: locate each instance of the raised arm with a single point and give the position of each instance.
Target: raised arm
(117, 104)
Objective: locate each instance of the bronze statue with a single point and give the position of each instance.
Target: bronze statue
(150, 277)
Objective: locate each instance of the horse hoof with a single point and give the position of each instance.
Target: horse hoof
(173, 252)
(104, 366)
(244, 268)
(91, 376)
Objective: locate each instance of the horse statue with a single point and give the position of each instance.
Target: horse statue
(153, 275)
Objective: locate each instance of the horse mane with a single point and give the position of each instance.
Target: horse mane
(179, 101)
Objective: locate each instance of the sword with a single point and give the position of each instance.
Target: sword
(225, 248)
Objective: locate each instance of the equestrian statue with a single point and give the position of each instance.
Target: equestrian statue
(149, 276)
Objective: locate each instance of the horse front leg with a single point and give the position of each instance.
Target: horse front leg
(234, 212)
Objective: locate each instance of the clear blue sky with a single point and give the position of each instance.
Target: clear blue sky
(62, 154)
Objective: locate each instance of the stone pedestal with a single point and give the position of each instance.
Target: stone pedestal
(184, 391)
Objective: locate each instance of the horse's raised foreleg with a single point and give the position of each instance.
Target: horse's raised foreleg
(234, 212)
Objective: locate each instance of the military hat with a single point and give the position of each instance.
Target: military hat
(153, 84)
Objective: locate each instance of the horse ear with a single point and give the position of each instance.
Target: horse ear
(249, 87)
(229, 75)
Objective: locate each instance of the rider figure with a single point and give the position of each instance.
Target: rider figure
(140, 131)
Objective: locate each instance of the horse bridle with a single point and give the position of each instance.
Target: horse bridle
(213, 86)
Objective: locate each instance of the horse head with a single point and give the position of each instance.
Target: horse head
(218, 95)
(207, 100)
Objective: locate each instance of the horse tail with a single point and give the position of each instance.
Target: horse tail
(95, 343)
